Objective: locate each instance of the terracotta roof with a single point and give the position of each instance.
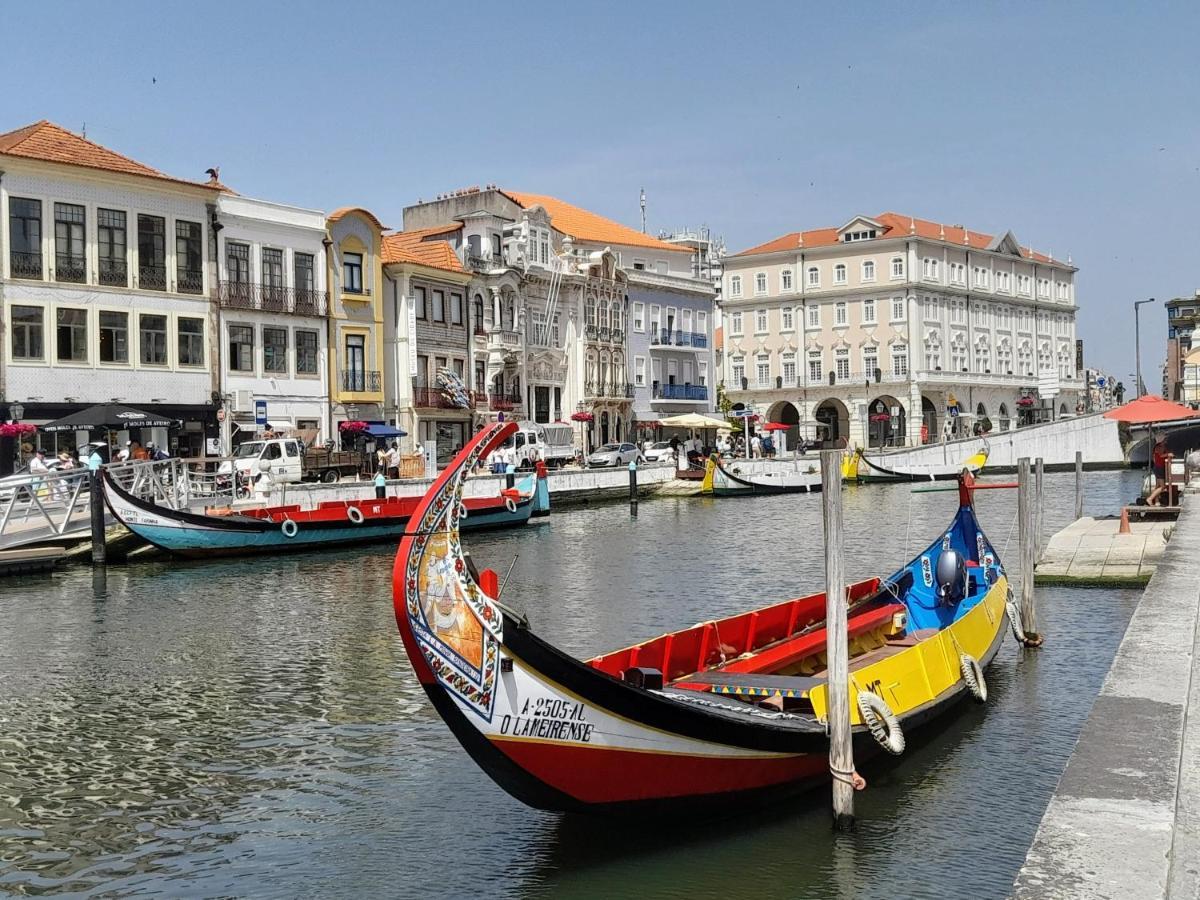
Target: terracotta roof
(343, 211)
(587, 226)
(48, 142)
(895, 226)
(420, 246)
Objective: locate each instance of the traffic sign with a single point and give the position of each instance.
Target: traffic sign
(742, 413)
(260, 412)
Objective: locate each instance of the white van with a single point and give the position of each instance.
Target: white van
(553, 444)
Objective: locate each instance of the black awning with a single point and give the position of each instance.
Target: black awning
(110, 416)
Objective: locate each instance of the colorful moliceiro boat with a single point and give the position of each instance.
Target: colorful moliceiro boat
(283, 528)
(878, 469)
(724, 478)
(715, 715)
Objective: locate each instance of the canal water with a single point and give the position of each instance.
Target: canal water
(253, 728)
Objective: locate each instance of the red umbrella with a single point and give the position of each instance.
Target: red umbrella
(880, 417)
(774, 426)
(1150, 408)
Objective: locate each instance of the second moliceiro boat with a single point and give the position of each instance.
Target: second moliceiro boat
(879, 469)
(738, 478)
(682, 721)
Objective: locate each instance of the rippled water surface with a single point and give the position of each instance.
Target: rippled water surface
(253, 727)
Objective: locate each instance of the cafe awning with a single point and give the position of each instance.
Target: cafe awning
(109, 416)
(385, 431)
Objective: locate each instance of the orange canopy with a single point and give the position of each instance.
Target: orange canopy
(1150, 408)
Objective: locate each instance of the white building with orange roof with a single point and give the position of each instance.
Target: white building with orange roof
(892, 330)
(104, 288)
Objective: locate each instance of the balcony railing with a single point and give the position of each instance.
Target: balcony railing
(506, 338)
(484, 263)
(70, 268)
(25, 265)
(680, 391)
(666, 337)
(242, 295)
(114, 272)
(358, 380)
(500, 402)
(479, 398)
(189, 281)
(152, 278)
(426, 397)
(603, 333)
(617, 336)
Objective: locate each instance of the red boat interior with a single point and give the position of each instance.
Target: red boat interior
(337, 510)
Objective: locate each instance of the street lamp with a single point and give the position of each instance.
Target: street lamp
(1139, 385)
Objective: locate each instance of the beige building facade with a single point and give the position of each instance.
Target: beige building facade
(892, 331)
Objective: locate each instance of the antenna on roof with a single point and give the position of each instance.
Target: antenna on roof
(643, 210)
(83, 132)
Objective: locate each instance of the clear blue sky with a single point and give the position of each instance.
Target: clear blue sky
(1075, 125)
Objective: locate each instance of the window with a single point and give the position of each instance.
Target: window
(272, 277)
(152, 339)
(456, 309)
(189, 263)
(868, 311)
(789, 369)
(1043, 287)
(306, 352)
(25, 237)
(839, 314)
(787, 319)
(354, 378)
(639, 265)
(152, 253)
(841, 360)
(897, 266)
(304, 270)
(760, 321)
(27, 332)
(933, 355)
(237, 267)
(114, 337)
(814, 317)
(839, 274)
(639, 371)
(438, 305)
(352, 272)
(656, 320)
(852, 236)
(897, 309)
(814, 365)
(69, 256)
(956, 273)
(735, 285)
(71, 335)
(814, 276)
(274, 349)
(110, 235)
(982, 276)
(983, 357)
(241, 348)
(868, 270)
(1003, 282)
(958, 354)
(900, 360)
(785, 280)
(870, 361)
(191, 341)
(702, 373)
(929, 268)
(1023, 284)
(737, 370)
(763, 371)
(639, 317)
(477, 313)
(735, 323)
(760, 283)
(419, 303)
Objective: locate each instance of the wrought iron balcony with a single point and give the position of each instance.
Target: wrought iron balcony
(425, 397)
(152, 278)
(243, 295)
(70, 268)
(479, 398)
(621, 390)
(359, 380)
(485, 263)
(114, 272)
(680, 391)
(591, 332)
(25, 265)
(500, 402)
(666, 337)
(189, 281)
(617, 336)
(604, 333)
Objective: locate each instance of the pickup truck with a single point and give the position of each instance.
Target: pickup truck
(552, 444)
(289, 462)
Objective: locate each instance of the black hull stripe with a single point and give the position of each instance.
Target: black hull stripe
(760, 488)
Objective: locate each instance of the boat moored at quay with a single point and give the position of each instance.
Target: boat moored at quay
(714, 716)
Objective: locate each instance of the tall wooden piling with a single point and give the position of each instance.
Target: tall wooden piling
(633, 497)
(1078, 484)
(1039, 500)
(96, 508)
(841, 750)
(1027, 543)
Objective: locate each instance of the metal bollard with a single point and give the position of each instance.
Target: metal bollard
(633, 493)
(96, 508)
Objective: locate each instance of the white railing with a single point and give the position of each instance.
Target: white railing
(176, 483)
(43, 507)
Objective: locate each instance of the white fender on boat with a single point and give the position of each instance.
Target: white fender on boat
(354, 514)
(972, 674)
(881, 722)
(510, 504)
(289, 528)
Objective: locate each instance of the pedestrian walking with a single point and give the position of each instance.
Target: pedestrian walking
(756, 447)
(393, 460)
(380, 485)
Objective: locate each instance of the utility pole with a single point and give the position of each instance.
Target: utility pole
(1139, 386)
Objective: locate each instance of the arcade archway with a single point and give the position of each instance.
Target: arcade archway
(885, 422)
(833, 429)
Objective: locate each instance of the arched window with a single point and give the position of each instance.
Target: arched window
(868, 270)
(1004, 418)
(814, 276)
(839, 274)
(477, 313)
(897, 266)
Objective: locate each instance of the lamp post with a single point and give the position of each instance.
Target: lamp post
(1137, 347)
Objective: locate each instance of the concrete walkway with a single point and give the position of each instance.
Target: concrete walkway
(1090, 551)
(1124, 821)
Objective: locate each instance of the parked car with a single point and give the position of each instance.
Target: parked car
(659, 451)
(613, 455)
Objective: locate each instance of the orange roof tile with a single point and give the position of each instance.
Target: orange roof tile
(420, 246)
(588, 226)
(895, 226)
(343, 211)
(48, 142)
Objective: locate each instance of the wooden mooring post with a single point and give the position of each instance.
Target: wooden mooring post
(1078, 484)
(1038, 504)
(1027, 544)
(633, 498)
(841, 749)
(96, 508)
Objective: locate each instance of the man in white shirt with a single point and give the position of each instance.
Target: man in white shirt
(123, 456)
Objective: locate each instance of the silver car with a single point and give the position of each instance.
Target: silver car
(613, 455)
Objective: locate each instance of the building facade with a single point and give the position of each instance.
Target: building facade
(1183, 313)
(894, 330)
(355, 278)
(105, 294)
(272, 318)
